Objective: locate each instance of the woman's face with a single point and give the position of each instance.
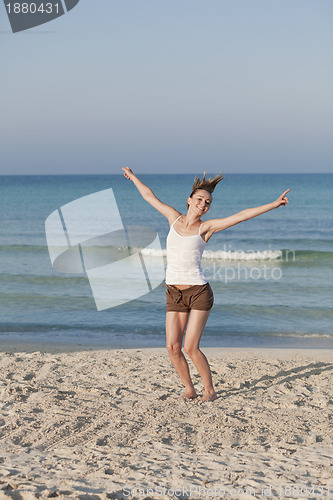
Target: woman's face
(200, 201)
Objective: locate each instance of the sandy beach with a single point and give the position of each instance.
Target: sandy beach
(97, 424)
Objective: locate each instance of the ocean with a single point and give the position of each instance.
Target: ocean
(272, 275)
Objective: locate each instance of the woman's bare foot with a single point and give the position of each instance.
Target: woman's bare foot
(189, 395)
(209, 396)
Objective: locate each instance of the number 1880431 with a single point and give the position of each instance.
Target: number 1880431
(32, 8)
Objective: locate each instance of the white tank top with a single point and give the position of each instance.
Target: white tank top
(184, 258)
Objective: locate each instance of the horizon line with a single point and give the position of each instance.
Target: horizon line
(167, 173)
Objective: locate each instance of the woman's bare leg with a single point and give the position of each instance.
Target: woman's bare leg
(175, 326)
(193, 335)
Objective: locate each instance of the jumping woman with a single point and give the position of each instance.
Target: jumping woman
(189, 297)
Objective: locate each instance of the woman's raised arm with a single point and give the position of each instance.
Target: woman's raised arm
(147, 194)
(214, 225)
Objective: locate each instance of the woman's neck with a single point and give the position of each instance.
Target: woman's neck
(190, 220)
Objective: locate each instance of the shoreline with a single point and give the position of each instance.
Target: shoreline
(68, 347)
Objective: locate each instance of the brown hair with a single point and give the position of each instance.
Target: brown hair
(206, 184)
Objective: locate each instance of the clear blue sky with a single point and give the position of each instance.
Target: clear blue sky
(170, 86)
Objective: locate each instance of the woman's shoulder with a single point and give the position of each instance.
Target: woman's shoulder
(174, 217)
(205, 230)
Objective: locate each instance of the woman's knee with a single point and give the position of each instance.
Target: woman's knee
(174, 348)
(191, 349)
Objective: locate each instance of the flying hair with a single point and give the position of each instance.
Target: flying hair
(207, 184)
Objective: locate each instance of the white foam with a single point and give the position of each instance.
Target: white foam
(238, 255)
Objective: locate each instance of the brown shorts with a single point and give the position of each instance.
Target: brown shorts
(198, 297)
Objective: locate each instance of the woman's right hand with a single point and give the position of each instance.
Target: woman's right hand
(127, 173)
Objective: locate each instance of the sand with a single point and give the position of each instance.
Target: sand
(97, 424)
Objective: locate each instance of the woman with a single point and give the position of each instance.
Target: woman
(189, 296)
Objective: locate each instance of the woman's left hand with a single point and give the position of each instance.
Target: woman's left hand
(282, 200)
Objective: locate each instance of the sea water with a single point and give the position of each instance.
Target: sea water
(272, 275)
